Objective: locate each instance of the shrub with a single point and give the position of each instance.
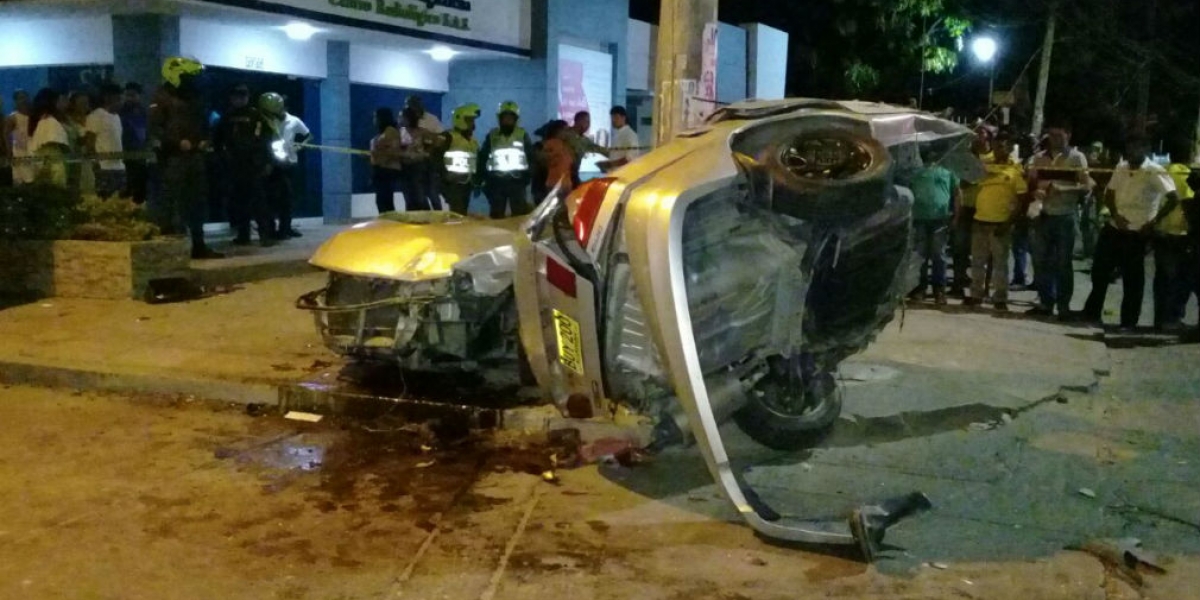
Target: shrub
(112, 220)
(37, 211)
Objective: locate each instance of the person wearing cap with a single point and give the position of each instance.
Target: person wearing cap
(459, 168)
(504, 157)
(243, 141)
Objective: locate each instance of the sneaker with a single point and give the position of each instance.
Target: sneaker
(206, 253)
(972, 302)
(1000, 306)
(267, 242)
(1040, 311)
(294, 233)
(939, 298)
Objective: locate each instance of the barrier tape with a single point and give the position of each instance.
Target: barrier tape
(146, 155)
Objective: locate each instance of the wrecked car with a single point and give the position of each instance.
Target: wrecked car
(723, 276)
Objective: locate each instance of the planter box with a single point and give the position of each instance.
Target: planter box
(78, 269)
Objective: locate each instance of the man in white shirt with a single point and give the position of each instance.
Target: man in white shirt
(1139, 196)
(105, 124)
(16, 131)
(625, 141)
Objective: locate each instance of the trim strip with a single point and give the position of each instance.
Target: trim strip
(303, 13)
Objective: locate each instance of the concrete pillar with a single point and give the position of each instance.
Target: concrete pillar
(679, 60)
(336, 179)
(140, 44)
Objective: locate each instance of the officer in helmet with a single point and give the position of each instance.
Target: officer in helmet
(178, 127)
(286, 131)
(505, 160)
(243, 141)
(459, 160)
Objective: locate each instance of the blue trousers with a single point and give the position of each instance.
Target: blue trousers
(1053, 251)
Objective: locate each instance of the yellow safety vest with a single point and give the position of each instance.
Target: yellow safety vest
(460, 157)
(508, 155)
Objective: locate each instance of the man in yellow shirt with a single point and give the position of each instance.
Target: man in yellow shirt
(1173, 256)
(996, 202)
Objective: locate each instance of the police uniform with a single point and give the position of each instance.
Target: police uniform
(505, 159)
(460, 159)
(243, 139)
(177, 119)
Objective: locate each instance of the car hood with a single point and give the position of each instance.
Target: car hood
(391, 248)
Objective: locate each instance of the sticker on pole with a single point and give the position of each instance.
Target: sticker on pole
(570, 348)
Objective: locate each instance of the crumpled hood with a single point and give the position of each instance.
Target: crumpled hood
(391, 248)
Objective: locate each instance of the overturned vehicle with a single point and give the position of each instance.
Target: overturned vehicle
(722, 276)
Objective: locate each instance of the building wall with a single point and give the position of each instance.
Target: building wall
(408, 69)
(490, 82)
(731, 63)
(642, 41)
(74, 41)
(767, 61)
(253, 48)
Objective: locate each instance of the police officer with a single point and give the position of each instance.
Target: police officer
(285, 131)
(505, 157)
(459, 160)
(179, 129)
(243, 140)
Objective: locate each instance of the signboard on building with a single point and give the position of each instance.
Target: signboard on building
(498, 24)
(585, 83)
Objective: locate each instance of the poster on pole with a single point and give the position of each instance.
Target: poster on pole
(705, 97)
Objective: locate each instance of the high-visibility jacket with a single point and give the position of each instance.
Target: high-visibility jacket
(508, 155)
(460, 158)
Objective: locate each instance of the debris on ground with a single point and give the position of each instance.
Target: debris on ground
(295, 415)
(1124, 557)
(317, 365)
(549, 476)
(1087, 492)
(426, 464)
(938, 565)
(283, 367)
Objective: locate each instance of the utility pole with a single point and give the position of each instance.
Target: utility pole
(680, 61)
(1143, 77)
(1039, 103)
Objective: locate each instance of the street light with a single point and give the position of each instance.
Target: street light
(985, 48)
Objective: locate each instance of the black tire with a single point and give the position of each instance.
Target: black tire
(857, 195)
(777, 430)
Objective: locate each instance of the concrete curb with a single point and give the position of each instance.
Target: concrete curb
(228, 275)
(19, 373)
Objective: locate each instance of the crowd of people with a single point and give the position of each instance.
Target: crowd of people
(99, 142)
(54, 128)
(414, 155)
(1057, 205)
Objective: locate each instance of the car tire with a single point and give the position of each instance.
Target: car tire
(822, 199)
(780, 431)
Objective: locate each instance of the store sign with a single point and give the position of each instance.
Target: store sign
(500, 22)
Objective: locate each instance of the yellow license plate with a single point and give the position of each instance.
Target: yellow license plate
(570, 347)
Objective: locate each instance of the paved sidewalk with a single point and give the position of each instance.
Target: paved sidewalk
(237, 346)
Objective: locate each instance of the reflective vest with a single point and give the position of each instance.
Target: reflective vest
(460, 157)
(508, 153)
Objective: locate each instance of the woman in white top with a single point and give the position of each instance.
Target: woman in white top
(48, 136)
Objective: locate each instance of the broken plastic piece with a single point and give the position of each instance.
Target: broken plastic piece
(1087, 492)
(296, 415)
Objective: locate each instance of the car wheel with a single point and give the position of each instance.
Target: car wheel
(855, 183)
(783, 421)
